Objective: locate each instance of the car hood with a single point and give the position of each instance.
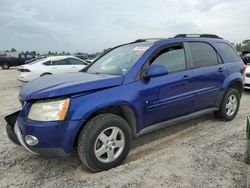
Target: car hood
(67, 84)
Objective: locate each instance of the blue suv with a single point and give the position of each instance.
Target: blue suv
(131, 90)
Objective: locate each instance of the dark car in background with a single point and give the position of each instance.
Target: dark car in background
(8, 61)
(246, 58)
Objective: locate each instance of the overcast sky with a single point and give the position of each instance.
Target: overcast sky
(90, 26)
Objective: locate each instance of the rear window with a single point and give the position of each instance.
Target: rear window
(229, 52)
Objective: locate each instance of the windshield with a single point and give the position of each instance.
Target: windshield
(120, 60)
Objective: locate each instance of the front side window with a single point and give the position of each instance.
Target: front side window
(120, 60)
(203, 54)
(73, 61)
(29, 56)
(172, 58)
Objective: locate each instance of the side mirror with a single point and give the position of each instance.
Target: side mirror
(155, 71)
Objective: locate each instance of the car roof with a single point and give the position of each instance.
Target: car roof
(52, 58)
(60, 57)
(183, 38)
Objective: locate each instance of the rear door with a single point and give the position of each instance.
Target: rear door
(169, 96)
(208, 75)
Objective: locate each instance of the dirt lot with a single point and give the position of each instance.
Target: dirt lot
(203, 152)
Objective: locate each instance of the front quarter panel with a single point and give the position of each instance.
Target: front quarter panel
(83, 106)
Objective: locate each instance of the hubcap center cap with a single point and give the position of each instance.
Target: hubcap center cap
(110, 143)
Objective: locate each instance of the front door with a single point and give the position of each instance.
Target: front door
(169, 96)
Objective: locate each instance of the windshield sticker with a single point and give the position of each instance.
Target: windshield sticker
(141, 48)
(124, 70)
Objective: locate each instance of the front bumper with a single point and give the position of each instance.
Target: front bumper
(54, 137)
(247, 83)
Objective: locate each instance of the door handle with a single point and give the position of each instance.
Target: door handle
(186, 77)
(221, 69)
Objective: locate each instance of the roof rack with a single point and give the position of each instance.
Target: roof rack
(147, 39)
(197, 36)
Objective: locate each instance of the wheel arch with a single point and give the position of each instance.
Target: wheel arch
(122, 110)
(236, 84)
(45, 73)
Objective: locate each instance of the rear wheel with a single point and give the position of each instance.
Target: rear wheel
(104, 142)
(229, 106)
(5, 66)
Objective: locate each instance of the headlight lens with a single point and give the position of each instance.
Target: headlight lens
(49, 110)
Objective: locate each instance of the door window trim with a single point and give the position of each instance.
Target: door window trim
(149, 59)
(219, 59)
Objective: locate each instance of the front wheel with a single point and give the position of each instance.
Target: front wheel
(229, 106)
(5, 66)
(104, 142)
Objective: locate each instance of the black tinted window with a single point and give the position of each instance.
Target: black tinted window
(73, 61)
(172, 58)
(60, 62)
(29, 57)
(203, 54)
(229, 52)
(47, 63)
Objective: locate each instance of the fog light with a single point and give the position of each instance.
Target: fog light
(31, 140)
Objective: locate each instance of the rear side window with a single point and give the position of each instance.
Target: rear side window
(203, 54)
(229, 52)
(172, 58)
(60, 62)
(47, 63)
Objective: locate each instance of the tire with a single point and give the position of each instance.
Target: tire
(5, 66)
(90, 142)
(228, 110)
(45, 74)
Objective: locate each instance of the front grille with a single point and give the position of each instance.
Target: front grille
(248, 75)
(247, 85)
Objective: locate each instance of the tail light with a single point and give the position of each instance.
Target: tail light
(24, 70)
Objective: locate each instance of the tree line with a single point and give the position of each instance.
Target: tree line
(55, 53)
(243, 46)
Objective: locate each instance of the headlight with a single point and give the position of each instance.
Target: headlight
(49, 110)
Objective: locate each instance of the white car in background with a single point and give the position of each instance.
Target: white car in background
(48, 66)
(247, 77)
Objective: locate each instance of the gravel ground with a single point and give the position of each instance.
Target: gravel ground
(203, 152)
